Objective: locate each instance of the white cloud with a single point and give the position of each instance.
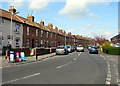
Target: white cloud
(77, 8)
(16, 3)
(38, 5)
(89, 25)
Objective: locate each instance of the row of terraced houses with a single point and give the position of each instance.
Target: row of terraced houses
(25, 32)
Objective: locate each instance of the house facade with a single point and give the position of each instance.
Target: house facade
(116, 39)
(25, 32)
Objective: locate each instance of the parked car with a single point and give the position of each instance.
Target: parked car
(61, 50)
(93, 49)
(69, 48)
(73, 49)
(80, 48)
(89, 47)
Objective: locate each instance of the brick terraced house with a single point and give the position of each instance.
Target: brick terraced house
(25, 32)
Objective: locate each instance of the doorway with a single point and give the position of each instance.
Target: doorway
(32, 43)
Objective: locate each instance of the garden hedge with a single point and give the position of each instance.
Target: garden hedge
(111, 50)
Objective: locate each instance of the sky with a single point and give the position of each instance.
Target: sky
(82, 17)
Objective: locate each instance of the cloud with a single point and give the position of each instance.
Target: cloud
(16, 3)
(77, 8)
(38, 5)
(89, 26)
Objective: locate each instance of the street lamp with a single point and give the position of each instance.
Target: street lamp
(11, 38)
(65, 37)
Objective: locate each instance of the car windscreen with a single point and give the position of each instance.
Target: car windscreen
(93, 47)
(62, 47)
(79, 46)
(68, 46)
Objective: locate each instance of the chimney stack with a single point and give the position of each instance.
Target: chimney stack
(42, 23)
(30, 17)
(12, 9)
(56, 28)
(69, 33)
(50, 26)
(61, 30)
(64, 32)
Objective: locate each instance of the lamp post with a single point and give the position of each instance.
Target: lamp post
(65, 39)
(11, 37)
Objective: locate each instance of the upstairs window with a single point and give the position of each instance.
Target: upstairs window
(0, 24)
(51, 35)
(36, 32)
(28, 31)
(41, 33)
(47, 34)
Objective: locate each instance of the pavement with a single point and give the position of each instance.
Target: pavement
(5, 63)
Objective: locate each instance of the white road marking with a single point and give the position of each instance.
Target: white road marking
(77, 56)
(109, 75)
(109, 72)
(68, 62)
(75, 59)
(108, 79)
(36, 74)
(64, 65)
(107, 82)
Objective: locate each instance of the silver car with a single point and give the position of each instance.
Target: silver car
(61, 50)
(80, 48)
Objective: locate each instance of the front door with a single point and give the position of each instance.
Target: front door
(32, 43)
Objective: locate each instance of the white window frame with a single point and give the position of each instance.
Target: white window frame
(41, 33)
(36, 43)
(47, 34)
(51, 35)
(28, 43)
(36, 32)
(41, 42)
(28, 31)
(0, 24)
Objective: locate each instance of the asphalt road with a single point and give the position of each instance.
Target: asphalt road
(74, 68)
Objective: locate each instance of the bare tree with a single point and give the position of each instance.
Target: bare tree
(100, 39)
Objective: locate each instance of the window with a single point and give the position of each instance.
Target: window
(1, 40)
(51, 35)
(41, 42)
(17, 29)
(36, 43)
(27, 43)
(17, 41)
(0, 24)
(36, 32)
(55, 36)
(28, 31)
(47, 34)
(41, 33)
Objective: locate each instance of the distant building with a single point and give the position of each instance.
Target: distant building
(25, 32)
(116, 39)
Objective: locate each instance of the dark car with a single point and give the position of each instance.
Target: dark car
(93, 50)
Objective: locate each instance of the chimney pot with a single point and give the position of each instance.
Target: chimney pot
(30, 17)
(56, 28)
(42, 23)
(12, 9)
(50, 26)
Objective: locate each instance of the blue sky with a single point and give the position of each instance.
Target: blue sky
(83, 18)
